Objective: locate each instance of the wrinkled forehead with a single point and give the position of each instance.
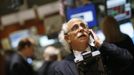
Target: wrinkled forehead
(72, 22)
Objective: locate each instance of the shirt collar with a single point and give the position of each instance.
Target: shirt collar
(78, 55)
(79, 52)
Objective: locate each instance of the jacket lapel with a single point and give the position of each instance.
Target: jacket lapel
(72, 66)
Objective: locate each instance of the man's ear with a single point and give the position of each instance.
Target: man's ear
(66, 37)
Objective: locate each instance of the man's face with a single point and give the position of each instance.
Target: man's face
(78, 33)
(30, 51)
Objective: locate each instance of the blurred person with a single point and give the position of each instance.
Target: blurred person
(19, 64)
(2, 65)
(110, 28)
(8, 57)
(84, 59)
(51, 55)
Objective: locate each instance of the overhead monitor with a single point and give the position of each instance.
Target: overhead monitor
(119, 9)
(44, 41)
(17, 36)
(86, 12)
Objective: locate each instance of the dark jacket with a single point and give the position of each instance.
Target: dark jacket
(46, 68)
(126, 43)
(115, 58)
(19, 66)
(8, 59)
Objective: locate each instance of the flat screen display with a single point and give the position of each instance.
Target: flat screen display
(127, 28)
(119, 9)
(17, 36)
(44, 41)
(86, 12)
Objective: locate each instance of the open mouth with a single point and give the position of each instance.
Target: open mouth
(82, 36)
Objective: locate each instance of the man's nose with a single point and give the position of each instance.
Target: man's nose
(81, 29)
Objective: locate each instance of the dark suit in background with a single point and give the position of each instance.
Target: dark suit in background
(44, 68)
(127, 43)
(19, 66)
(47, 68)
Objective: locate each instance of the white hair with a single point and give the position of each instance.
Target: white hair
(65, 30)
(51, 50)
(61, 37)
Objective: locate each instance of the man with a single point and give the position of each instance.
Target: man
(51, 55)
(8, 57)
(76, 35)
(19, 64)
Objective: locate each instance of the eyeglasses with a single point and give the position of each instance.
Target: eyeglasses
(77, 26)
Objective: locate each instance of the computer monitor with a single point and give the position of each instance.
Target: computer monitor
(119, 9)
(17, 36)
(127, 28)
(44, 41)
(86, 12)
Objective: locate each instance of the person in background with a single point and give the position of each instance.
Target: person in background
(51, 55)
(110, 28)
(76, 35)
(2, 64)
(19, 64)
(8, 57)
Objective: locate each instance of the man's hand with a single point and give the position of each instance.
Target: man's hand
(97, 41)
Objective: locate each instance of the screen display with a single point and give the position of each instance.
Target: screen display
(85, 12)
(44, 41)
(127, 28)
(17, 36)
(119, 9)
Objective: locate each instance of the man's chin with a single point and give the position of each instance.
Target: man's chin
(83, 40)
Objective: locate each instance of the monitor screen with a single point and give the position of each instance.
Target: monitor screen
(86, 12)
(119, 9)
(127, 28)
(17, 36)
(44, 41)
